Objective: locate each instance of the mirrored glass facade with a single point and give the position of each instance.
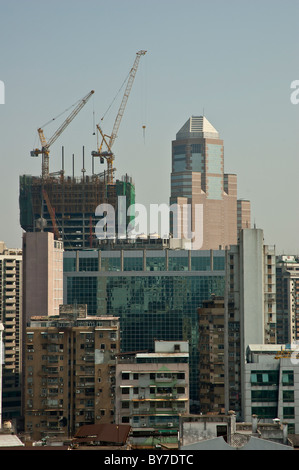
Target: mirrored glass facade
(155, 293)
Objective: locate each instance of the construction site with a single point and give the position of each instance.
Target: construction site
(65, 205)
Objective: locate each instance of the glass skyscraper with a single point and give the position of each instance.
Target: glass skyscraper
(198, 179)
(154, 292)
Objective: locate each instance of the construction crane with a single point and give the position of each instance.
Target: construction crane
(45, 146)
(108, 154)
(52, 214)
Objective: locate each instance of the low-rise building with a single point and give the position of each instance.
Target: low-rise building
(272, 384)
(152, 391)
(223, 432)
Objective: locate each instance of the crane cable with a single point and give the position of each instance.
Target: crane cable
(143, 99)
(108, 109)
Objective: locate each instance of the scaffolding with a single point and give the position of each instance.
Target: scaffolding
(71, 202)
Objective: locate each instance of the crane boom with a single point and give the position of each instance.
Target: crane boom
(108, 155)
(125, 97)
(46, 145)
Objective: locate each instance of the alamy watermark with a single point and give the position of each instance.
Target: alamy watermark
(114, 225)
(2, 92)
(295, 94)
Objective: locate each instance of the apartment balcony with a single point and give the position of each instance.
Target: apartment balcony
(163, 396)
(146, 411)
(10, 308)
(165, 379)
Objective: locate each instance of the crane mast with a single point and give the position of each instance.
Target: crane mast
(45, 146)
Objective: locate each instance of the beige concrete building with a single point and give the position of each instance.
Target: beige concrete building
(11, 318)
(287, 299)
(198, 181)
(69, 372)
(250, 303)
(43, 274)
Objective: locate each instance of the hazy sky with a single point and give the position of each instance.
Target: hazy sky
(235, 59)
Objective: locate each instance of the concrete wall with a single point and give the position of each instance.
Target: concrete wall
(43, 274)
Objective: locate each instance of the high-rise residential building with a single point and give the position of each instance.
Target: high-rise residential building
(152, 391)
(69, 372)
(1, 363)
(11, 318)
(154, 290)
(211, 355)
(250, 302)
(198, 180)
(43, 274)
(287, 299)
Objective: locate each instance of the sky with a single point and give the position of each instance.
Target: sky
(234, 60)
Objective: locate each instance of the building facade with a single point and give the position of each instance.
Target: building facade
(155, 293)
(11, 318)
(287, 299)
(42, 274)
(198, 180)
(66, 205)
(1, 363)
(250, 302)
(152, 391)
(271, 384)
(211, 356)
(69, 372)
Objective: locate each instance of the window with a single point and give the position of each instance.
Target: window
(125, 376)
(264, 377)
(266, 412)
(288, 377)
(264, 395)
(289, 412)
(288, 395)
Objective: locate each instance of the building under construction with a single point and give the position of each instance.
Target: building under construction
(66, 205)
